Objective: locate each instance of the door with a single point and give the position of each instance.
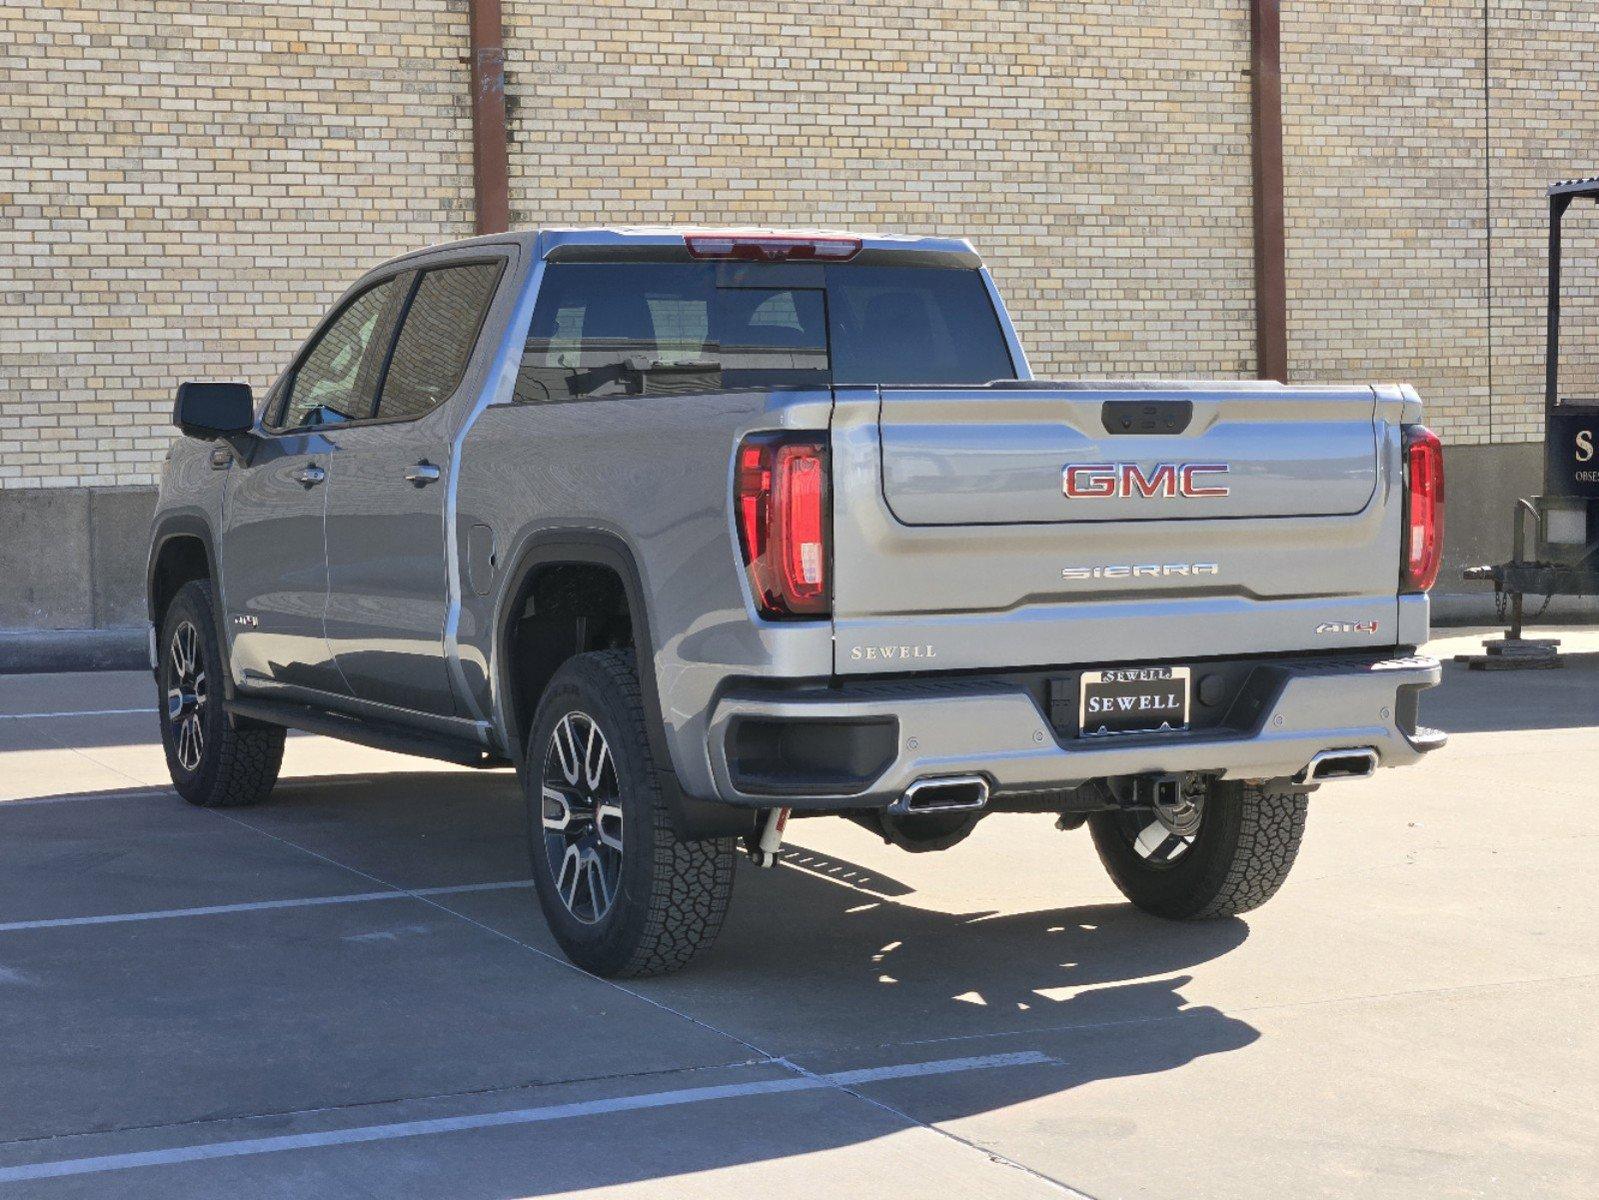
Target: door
(274, 555)
(388, 581)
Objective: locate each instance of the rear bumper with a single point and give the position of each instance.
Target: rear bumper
(879, 738)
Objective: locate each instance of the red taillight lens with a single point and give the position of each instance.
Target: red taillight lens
(1424, 507)
(780, 496)
(755, 247)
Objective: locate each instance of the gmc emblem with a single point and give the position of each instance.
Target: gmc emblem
(1104, 481)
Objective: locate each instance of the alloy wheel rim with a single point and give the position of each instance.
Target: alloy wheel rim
(1161, 836)
(581, 810)
(186, 696)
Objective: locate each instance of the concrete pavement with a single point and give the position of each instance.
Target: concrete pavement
(349, 991)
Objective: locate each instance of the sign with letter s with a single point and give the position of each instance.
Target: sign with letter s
(1571, 451)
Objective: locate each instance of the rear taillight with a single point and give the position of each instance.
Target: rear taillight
(761, 247)
(1424, 508)
(780, 496)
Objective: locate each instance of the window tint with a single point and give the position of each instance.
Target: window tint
(632, 329)
(909, 325)
(441, 327)
(636, 329)
(335, 380)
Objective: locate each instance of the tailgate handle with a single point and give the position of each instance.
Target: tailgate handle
(1147, 416)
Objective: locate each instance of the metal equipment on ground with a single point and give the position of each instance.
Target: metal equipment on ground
(1563, 522)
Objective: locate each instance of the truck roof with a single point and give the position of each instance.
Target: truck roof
(669, 242)
(674, 235)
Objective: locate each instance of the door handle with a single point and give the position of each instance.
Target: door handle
(422, 474)
(310, 475)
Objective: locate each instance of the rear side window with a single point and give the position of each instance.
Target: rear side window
(435, 343)
(636, 329)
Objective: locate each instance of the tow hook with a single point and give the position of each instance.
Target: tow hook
(764, 853)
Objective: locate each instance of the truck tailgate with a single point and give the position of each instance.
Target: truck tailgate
(1036, 525)
(996, 457)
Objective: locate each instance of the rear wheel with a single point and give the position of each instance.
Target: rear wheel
(623, 895)
(212, 763)
(1222, 849)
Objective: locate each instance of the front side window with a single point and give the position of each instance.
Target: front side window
(435, 343)
(336, 380)
(605, 330)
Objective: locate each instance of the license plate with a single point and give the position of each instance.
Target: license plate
(1133, 700)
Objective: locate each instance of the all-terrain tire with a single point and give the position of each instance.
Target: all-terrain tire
(672, 895)
(1247, 842)
(224, 766)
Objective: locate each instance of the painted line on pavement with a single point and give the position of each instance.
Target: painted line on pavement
(134, 794)
(85, 712)
(521, 1116)
(162, 914)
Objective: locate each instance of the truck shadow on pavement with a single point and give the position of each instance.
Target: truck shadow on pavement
(827, 953)
(830, 965)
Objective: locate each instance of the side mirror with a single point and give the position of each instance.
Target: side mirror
(214, 410)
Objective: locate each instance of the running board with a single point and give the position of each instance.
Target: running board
(379, 735)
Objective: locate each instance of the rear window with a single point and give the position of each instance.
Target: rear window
(908, 325)
(632, 329)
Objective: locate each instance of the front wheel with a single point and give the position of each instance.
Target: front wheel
(1222, 849)
(213, 763)
(623, 895)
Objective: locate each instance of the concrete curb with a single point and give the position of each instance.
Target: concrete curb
(41, 651)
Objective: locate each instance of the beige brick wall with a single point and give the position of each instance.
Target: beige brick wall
(184, 188)
(1096, 153)
(1385, 200)
(1545, 127)
(1409, 126)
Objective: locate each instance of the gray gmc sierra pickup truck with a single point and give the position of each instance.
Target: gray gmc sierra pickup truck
(703, 530)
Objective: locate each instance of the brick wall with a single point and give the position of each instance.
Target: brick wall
(1545, 127)
(1418, 141)
(184, 188)
(1096, 153)
(1386, 203)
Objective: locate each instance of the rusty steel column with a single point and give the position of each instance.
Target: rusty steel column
(490, 184)
(1271, 271)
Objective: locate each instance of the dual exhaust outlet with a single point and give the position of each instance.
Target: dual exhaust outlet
(1357, 763)
(951, 793)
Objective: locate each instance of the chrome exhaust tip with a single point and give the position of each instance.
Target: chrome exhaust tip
(952, 793)
(1357, 763)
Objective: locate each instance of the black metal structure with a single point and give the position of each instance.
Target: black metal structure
(1564, 557)
(1571, 453)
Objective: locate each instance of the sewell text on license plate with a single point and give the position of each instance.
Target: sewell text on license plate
(1133, 700)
